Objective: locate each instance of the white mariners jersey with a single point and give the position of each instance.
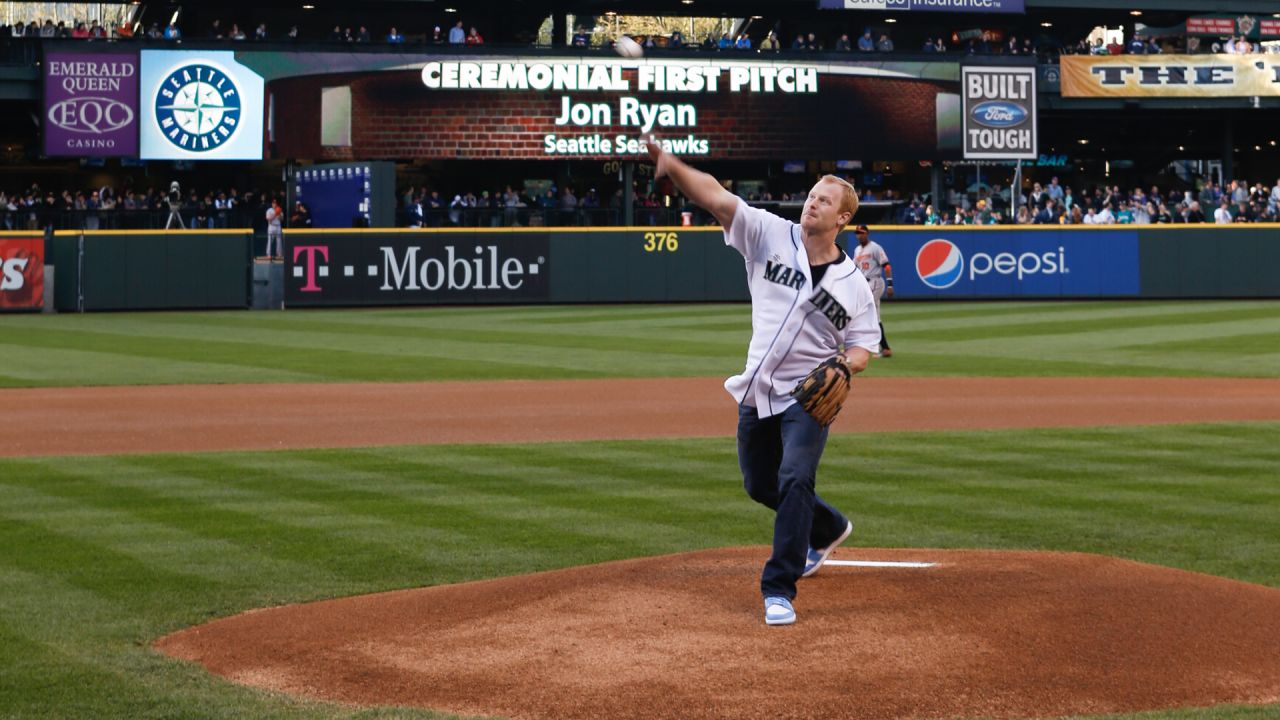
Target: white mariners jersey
(871, 260)
(794, 326)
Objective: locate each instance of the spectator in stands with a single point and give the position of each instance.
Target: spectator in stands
(866, 43)
(124, 31)
(812, 43)
(580, 39)
(724, 43)
(1138, 45)
(743, 42)
(236, 33)
(770, 43)
(940, 45)
(844, 44)
(676, 41)
(1194, 213)
(1222, 216)
(260, 33)
(798, 43)
(363, 35)
(97, 31)
(1098, 48)
(1048, 215)
(568, 207)
(474, 37)
(81, 32)
(437, 36)
(394, 37)
(1055, 191)
(1012, 47)
(172, 33)
(215, 29)
(336, 34)
(293, 32)
(928, 46)
(301, 217)
(457, 35)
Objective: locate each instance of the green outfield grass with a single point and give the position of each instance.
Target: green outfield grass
(105, 554)
(102, 555)
(1220, 338)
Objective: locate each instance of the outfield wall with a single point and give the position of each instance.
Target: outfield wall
(675, 264)
(142, 270)
(152, 269)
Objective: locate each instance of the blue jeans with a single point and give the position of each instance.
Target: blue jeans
(779, 459)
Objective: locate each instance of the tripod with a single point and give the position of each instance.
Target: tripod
(174, 216)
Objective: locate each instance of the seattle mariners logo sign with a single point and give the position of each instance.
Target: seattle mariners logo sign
(198, 107)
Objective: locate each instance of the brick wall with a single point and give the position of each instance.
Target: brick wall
(395, 117)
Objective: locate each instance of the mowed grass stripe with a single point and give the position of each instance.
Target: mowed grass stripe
(1000, 339)
(1146, 323)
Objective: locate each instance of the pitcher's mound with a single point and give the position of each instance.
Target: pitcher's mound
(979, 634)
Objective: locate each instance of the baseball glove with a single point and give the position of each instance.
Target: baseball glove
(822, 392)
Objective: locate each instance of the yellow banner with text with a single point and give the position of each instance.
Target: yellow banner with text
(1193, 76)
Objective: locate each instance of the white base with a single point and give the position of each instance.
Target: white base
(880, 564)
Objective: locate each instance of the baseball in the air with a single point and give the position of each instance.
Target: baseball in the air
(626, 47)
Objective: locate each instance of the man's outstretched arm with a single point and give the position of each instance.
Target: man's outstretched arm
(704, 190)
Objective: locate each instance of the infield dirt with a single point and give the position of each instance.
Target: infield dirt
(195, 418)
(982, 634)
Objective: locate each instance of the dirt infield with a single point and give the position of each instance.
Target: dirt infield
(990, 634)
(193, 418)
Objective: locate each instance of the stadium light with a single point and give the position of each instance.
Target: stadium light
(1135, 13)
(1046, 23)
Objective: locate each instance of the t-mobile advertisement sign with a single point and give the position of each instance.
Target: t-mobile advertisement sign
(406, 268)
(90, 104)
(999, 112)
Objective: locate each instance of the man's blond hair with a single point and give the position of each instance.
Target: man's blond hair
(849, 199)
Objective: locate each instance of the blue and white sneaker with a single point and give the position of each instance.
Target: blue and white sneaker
(778, 611)
(818, 556)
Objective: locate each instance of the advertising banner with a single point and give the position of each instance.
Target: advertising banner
(1247, 26)
(406, 268)
(21, 273)
(90, 104)
(199, 105)
(1190, 76)
(999, 110)
(966, 6)
(945, 263)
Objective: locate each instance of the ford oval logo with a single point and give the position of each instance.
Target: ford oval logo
(997, 114)
(97, 115)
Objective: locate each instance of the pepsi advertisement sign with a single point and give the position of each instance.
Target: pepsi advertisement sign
(943, 262)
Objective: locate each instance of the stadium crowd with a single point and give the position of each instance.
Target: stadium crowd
(456, 32)
(1051, 203)
(106, 208)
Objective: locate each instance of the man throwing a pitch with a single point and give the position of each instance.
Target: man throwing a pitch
(811, 311)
